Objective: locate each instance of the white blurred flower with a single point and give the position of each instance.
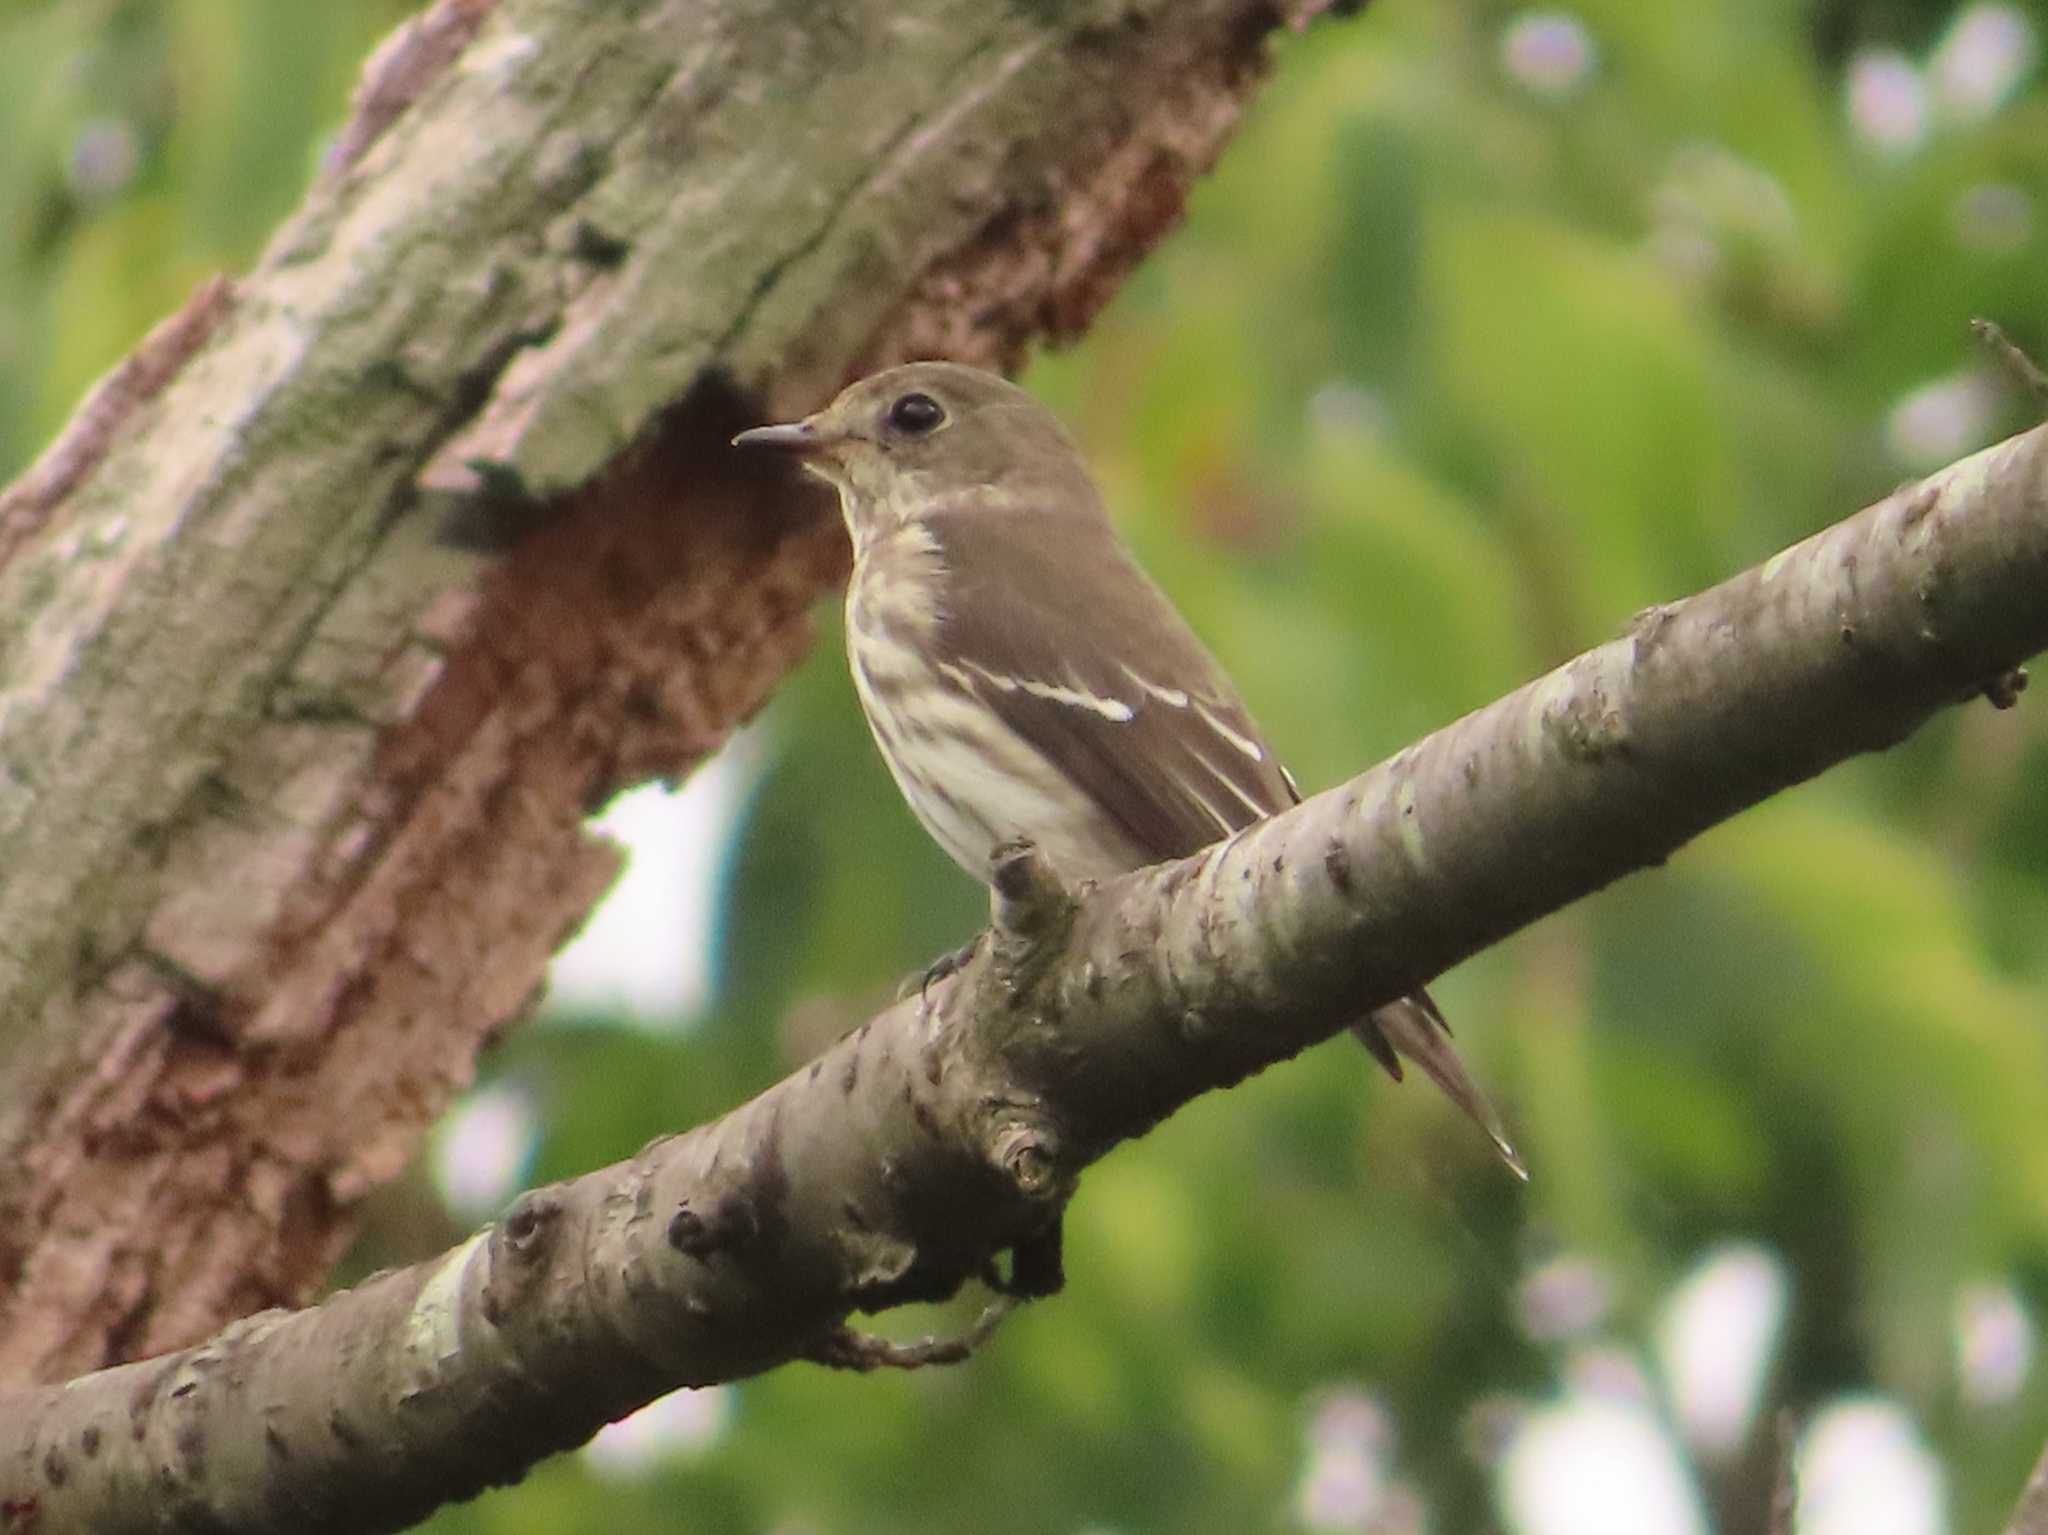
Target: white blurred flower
(1402, 1513)
(646, 950)
(1716, 1341)
(1345, 1482)
(681, 1423)
(1566, 1297)
(1994, 1343)
(1995, 217)
(1490, 1426)
(1350, 1417)
(1713, 184)
(1863, 1469)
(1547, 53)
(1686, 250)
(1341, 408)
(1986, 52)
(1607, 1372)
(1341, 1490)
(482, 1149)
(104, 158)
(1887, 101)
(1941, 420)
(1711, 204)
(1588, 1466)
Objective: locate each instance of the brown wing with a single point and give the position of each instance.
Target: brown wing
(1057, 630)
(1052, 625)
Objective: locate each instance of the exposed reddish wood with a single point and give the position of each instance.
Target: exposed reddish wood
(403, 66)
(139, 377)
(1044, 270)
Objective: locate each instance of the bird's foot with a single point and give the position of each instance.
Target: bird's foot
(2004, 690)
(920, 981)
(1037, 1266)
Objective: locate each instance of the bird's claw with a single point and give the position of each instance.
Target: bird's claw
(946, 964)
(1037, 1268)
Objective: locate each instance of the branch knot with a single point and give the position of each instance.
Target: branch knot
(1027, 900)
(1027, 1153)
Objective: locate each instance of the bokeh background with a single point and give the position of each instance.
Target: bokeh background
(1495, 326)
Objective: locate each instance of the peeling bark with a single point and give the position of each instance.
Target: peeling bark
(903, 1161)
(347, 597)
(27, 503)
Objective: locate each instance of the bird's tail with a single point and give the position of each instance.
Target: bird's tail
(1414, 1027)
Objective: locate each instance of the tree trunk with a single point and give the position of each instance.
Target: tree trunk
(344, 600)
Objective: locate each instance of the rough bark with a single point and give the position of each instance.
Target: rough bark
(903, 1161)
(342, 602)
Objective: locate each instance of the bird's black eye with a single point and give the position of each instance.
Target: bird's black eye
(916, 414)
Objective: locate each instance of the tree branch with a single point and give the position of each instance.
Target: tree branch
(897, 1165)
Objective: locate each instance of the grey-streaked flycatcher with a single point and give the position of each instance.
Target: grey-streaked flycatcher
(1022, 676)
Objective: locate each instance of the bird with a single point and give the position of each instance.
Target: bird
(1023, 677)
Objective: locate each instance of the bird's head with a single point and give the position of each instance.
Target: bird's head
(931, 439)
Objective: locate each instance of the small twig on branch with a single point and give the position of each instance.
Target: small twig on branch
(2013, 357)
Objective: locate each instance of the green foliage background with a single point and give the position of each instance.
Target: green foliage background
(1443, 380)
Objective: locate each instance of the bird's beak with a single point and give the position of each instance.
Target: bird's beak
(801, 438)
